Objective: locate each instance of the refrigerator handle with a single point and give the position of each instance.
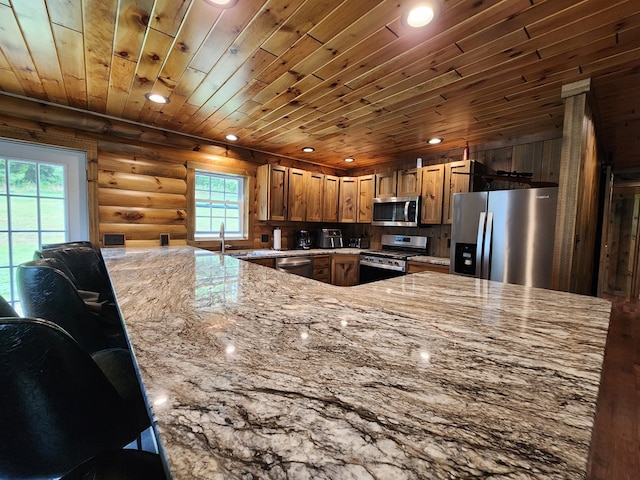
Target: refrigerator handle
(486, 254)
(406, 211)
(480, 243)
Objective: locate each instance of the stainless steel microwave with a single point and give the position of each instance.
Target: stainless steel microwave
(396, 211)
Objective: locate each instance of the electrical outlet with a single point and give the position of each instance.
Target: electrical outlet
(264, 238)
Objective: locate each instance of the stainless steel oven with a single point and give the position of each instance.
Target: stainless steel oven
(391, 260)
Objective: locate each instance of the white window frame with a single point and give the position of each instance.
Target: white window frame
(242, 205)
(77, 209)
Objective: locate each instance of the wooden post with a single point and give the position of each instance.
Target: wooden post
(573, 260)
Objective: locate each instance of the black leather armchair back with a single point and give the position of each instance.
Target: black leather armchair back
(45, 292)
(57, 407)
(86, 265)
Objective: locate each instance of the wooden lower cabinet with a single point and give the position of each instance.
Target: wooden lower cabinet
(267, 262)
(345, 269)
(322, 268)
(415, 267)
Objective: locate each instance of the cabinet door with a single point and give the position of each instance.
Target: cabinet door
(386, 184)
(273, 188)
(331, 198)
(297, 199)
(348, 199)
(315, 195)
(432, 193)
(457, 179)
(345, 269)
(366, 192)
(409, 182)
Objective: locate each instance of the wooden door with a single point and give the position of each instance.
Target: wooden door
(315, 197)
(409, 182)
(432, 194)
(331, 198)
(366, 192)
(297, 199)
(386, 184)
(348, 203)
(345, 269)
(457, 179)
(273, 187)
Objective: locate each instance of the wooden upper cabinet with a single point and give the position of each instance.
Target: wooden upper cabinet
(315, 197)
(408, 182)
(331, 198)
(366, 192)
(272, 192)
(348, 204)
(386, 184)
(432, 194)
(297, 199)
(458, 178)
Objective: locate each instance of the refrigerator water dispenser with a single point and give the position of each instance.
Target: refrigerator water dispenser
(465, 258)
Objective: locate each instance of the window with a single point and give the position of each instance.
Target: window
(43, 199)
(219, 198)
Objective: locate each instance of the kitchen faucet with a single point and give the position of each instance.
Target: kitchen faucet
(222, 238)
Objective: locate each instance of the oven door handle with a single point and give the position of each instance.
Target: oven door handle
(406, 211)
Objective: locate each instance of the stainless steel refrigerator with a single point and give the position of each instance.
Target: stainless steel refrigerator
(505, 235)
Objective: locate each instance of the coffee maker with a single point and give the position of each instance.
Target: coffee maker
(303, 240)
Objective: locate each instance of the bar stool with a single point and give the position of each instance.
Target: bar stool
(60, 415)
(46, 292)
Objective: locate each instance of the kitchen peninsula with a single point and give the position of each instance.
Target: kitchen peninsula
(255, 373)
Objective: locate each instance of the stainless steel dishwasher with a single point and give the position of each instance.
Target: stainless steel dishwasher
(302, 266)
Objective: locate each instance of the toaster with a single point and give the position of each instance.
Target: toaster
(360, 242)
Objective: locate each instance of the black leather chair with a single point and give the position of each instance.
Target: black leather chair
(85, 263)
(6, 310)
(60, 416)
(46, 292)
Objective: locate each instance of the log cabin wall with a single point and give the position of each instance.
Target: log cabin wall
(140, 174)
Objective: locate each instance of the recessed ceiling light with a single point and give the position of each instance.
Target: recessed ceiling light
(231, 137)
(349, 159)
(222, 3)
(434, 141)
(156, 98)
(308, 149)
(421, 13)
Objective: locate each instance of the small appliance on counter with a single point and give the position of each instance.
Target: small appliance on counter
(360, 242)
(330, 238)
(303, 240)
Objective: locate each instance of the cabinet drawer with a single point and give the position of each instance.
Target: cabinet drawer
(415, 267)
(321, 261)
(321, 271)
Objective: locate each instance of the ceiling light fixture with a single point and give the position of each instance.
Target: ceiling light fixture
(222, 3)
(156, 98)
(435, 141)
(308, 149)
(231, 137)
(349, 159)
(421, 14)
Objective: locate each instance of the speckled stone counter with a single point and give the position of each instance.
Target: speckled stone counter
(254, 373)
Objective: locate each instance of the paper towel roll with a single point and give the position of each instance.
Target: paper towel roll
(277, 239)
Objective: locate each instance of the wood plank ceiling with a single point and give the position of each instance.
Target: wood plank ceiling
(346, 77)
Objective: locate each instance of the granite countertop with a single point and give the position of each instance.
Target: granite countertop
(265, 253)
(428, 259)
(256, 373)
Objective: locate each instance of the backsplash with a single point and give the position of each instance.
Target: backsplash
(438, 245)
